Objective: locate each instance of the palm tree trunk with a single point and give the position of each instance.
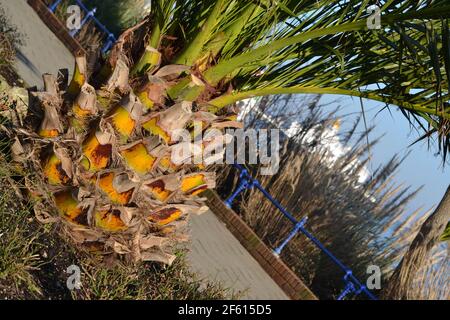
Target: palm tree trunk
(428, 236)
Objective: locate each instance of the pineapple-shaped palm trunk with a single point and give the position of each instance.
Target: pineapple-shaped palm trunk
(102, 146)
(103, 154)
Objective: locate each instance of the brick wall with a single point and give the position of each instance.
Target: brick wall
(57, 27)
(274, 267)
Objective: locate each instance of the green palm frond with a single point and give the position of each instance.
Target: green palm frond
(446, 235)
(263, 47)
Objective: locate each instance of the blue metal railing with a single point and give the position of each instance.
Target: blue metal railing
(352, 284)
(89, 15)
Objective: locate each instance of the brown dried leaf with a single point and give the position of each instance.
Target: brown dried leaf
(87, 99)
(42, 215)
(66, 161)
(118, 247)
(120, 76)
(171, 70)
(158, 256)
(151, 241)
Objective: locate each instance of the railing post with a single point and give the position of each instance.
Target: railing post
(86, 18)
(352, 284)
(292, 234)
(244, 183)
(54, 5)
(109, 42)
(349, 286)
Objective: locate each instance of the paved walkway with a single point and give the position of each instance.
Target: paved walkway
(215, 253)
(42, 52)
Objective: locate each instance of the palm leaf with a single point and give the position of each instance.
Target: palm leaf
(446, 235)
(268, 47)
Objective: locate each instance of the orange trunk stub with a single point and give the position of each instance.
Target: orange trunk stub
(68, 208)
(166, 164)
(194, 184)
(49, 133)
(123, 122)
(165, 216)
(158, 191)
(105, 183)
(80, 113)
(168, 230)
(138, 158)
(109, 220)
(54, 173)
(152, 126)
(97, 155)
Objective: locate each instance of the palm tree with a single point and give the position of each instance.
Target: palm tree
(100, 154)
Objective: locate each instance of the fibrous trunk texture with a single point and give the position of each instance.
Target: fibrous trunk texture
(102, 156)
(401, 281)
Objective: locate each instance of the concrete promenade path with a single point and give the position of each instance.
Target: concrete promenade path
(41, 52)
(215, 254)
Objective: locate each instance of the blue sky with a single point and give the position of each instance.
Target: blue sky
(422, 167)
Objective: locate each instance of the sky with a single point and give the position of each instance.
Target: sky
(423, 167)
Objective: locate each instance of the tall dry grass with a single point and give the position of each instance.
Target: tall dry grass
(116, 15)
(361, 223)
(89, 36)
(432, 281)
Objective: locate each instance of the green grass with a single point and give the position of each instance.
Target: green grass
(19, 250)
